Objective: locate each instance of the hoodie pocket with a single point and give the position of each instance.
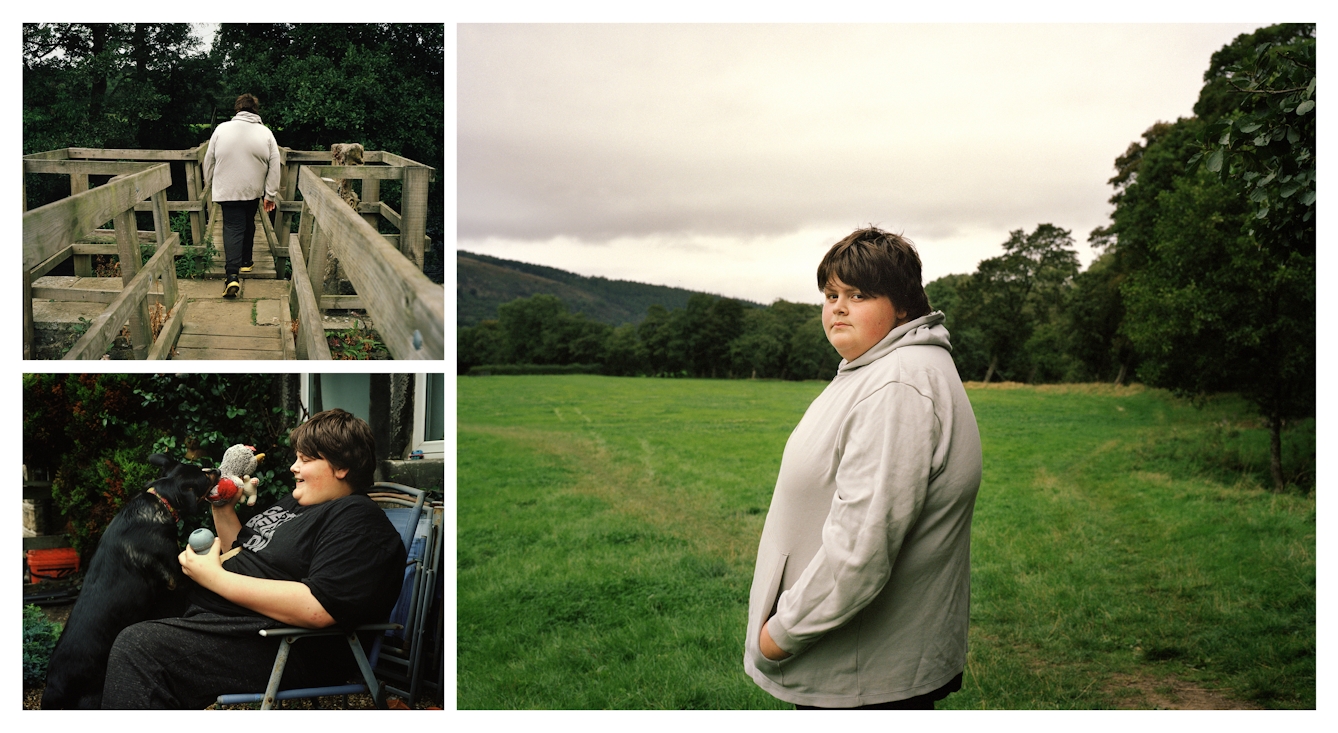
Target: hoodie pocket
(771, 598)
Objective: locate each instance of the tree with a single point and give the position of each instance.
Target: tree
(1092, 318)
(968, 349)
(1222, 296)
(1010, 295)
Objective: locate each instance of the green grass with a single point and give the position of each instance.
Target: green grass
(607, 529)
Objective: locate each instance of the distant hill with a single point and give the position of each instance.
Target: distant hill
(482, 283)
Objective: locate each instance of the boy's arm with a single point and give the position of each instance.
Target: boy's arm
(286, 601)
(226, 524)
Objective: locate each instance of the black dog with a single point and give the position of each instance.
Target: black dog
(134, 576)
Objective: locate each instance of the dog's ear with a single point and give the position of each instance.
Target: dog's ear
(162, 460)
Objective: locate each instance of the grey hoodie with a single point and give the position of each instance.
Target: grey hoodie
(242, 161)
(865, 555)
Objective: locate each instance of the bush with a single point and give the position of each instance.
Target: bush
(39, 638)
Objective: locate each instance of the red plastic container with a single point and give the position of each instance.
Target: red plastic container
(52, 564)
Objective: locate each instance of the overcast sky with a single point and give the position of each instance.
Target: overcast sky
(727, 158)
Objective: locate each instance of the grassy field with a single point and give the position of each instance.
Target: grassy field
(1124, 553)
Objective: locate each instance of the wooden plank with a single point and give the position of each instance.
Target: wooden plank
(130, 154)
(226, 328)
(311, 343)
(162, 347)
(51, 262)
(226, 355)
(308, 156)
(99, 236)
(390, 215)
(93, 344)
(84, 295)
(360, 172)
(85, 167)
(401, 299)
(57, 154)
(341, 302)
(50, 228)
(236, 343)
(382, 156)
(191, 206)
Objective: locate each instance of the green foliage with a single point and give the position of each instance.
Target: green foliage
(1010, 296)
(211, 412)
(356, 343)
(95, 433)
(1267, 145)
(1213, 235)
(39, 639)
(192, 263)
(607, 528)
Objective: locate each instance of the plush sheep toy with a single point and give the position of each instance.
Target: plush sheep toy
(239, 462)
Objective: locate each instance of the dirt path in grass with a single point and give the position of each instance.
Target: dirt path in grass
(1146, 692)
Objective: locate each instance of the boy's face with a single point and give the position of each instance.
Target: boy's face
(318, 481)
(853, 321)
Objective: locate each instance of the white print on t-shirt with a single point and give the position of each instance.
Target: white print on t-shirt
(263, 525)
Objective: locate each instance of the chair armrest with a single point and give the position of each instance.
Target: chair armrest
(329, 631)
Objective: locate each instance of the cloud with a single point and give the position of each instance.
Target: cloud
(736, 133)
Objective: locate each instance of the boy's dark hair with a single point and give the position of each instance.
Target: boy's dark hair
(879, 263)
(247, 103)
(343, 439)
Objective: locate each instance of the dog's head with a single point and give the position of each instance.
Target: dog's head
(183, 485)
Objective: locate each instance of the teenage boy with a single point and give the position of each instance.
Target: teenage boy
(861, 588)
(323, 556)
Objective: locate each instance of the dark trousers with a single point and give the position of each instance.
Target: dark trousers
(919, 702)
(239, 233)
(187, 662)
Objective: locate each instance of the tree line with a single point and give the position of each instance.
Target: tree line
(709, 337)
(1204, 280)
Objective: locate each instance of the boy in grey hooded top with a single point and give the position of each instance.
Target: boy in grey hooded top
(863, 569)
(241, 165)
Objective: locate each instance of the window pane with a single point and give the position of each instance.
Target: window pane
(436, 408)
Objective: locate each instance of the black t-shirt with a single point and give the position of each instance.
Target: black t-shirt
(346, 551)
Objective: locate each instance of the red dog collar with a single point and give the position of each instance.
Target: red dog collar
(170, 510)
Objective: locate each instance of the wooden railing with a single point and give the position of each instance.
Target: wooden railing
(409, 310)
(49, 234)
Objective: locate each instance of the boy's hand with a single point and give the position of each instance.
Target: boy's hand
(201, 568)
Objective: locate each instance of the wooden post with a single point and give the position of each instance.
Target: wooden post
(371, 193)
(127, 246)
(162, 232)
(28, 333)
(316, 263)
(305, 223)
(413, 212)
(193, 176)
(83, 264)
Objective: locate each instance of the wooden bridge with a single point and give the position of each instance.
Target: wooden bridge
(274, 317)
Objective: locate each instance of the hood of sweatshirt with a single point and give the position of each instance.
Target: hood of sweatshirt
(247, 117)
(926, 330)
